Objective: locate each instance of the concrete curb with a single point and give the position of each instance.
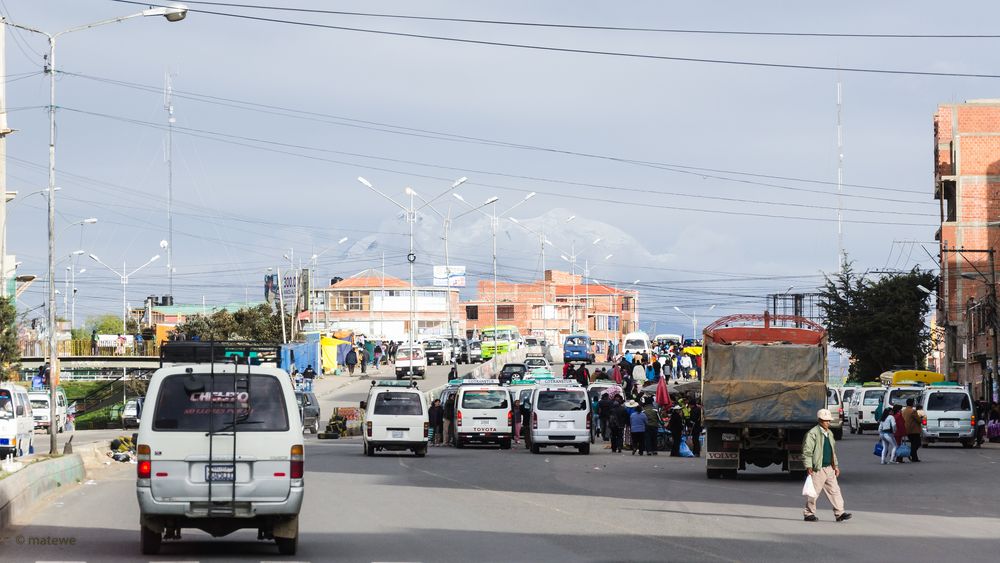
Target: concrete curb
(18, 492)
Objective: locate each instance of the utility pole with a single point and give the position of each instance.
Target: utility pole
(4, 131)
(169, 106)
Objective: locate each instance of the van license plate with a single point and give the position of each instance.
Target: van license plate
(220, 473)
(397, 434)
(949, 424)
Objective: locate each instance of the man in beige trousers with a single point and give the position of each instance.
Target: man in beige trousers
(819, 453)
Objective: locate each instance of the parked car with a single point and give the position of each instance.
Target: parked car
(41, 412)
(132, 413)
(309, 407)
(17, 424)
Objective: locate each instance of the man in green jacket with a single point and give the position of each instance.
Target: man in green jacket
(819, 453)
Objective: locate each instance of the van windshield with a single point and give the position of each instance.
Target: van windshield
(6, 405)
(396, 403)
(39, 404)
(872, 398)
(190, 403)
(948, 402)
(486, 399)
(640, 344)
(562, 401)
(831, 397)
(848, 393)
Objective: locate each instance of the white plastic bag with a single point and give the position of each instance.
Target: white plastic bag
(808, 489)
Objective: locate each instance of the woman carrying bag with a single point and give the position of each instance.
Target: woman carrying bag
(887, 436)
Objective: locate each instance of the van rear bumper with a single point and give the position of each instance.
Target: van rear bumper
(558, 437)
(150, 506)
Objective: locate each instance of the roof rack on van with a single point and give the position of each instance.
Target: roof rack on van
(871, 384)
(946, 384)
(393, 383)
(220, 351)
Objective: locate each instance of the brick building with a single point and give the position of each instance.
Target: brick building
(555, 307)
(967, 186)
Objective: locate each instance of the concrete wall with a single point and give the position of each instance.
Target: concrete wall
(20, 491)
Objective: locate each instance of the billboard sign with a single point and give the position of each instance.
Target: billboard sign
(449, 276)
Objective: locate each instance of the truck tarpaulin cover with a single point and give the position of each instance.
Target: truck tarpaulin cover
(756, 383)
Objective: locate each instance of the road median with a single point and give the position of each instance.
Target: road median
(20, 490)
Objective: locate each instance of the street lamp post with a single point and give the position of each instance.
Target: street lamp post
(494, 224)
(694, 319)
(173, 14)
(124, 280)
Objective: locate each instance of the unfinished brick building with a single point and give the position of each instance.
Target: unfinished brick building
(967, 186)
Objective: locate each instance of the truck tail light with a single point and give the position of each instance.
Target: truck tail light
(534, 421)
(144, 469)
(298, 462)
(426, 429)
(368, 428)
(458, 418)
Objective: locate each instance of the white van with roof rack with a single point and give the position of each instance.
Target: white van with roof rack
(560, 416)
(396, 418)
(483, 413)
(220, 446)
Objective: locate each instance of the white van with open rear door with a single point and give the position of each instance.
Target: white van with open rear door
(483, 414)
(220, 445)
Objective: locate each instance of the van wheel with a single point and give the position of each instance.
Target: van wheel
(860, 431)
(535, 449)
(459, 443)
(966, 443)
(420, 452)
(838, 433)
(315, 427)
(149, 541)
(505, 444)
(585, 449)
(853, 431)
(369, 450)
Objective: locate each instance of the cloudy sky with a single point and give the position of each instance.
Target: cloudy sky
(711, 183)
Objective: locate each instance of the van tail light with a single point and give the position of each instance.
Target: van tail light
(368, 428)
(144, 469)
(534, 421)
(588, 421)
(298, 462)
(923, 420)
(510, 418)
(427, 427)
(458, 418)
(973, 420)
(841, 409)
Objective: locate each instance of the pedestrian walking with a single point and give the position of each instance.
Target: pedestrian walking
(653, 425)
(695, 421)
(887, 435)
(639, 374)
(617, 422)
(897, 414)
(517, 421)
(449, 420)
(604, 407)
(637, 423)
(363, 358)
(676, 427)
(819, 452)
(913, 426)
(308, 375)
(435, 419)
(93, 342)
(377, 356)
(525, 416)
(351, 360)
(685, 366)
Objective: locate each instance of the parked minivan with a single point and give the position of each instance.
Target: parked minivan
(483, 414)
(396, 418)
(560, 416)
(862, 409)
(948, 415)
(220, 448)
(17, 424)
(834, 405)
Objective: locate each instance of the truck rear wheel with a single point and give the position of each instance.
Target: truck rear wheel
(713, 473)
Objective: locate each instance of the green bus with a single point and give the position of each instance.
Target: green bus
(498, 340)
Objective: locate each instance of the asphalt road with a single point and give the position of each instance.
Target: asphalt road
(483, 504)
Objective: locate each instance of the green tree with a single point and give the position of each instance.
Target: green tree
(105, 324)
(879, 321)
(259, 323)
(10, 354)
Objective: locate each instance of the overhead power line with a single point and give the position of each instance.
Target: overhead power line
(598, 27)
(549, 48)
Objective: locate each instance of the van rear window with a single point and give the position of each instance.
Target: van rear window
(899, 396)
(872, 398)
(485, 399)
(394, 402)
(948, 402)
(193, 403)
(562, 401)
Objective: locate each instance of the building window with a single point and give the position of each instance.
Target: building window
(614, 323)
(355, 301)
(472, 312)
(600, 322)
(505, 312)
(628, 304)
